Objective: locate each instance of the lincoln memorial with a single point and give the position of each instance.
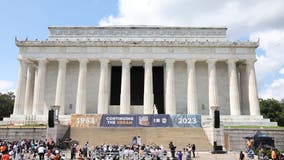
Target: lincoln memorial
(136, 70)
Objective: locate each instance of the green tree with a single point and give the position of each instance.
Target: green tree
(272, 109)
(6, 104)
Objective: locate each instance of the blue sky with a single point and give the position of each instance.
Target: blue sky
(246, 20)
(30, 18)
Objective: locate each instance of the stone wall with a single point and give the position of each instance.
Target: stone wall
(236, 141)
(22, 133)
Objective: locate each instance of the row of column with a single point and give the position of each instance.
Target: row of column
(31, 84)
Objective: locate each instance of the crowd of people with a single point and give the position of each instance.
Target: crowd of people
(250, 150)
(136, 150)
(49, 150)
(29, 149)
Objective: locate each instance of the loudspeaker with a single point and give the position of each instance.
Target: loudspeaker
(216, 119)
(218, 148)
(51, 118)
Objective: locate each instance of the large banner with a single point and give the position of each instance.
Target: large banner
(86, 120)
(118, 120)
(136, 120)
(186, 120)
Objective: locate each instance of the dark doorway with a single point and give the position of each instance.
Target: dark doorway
(158, 87)
(115, 85)
(137, 85)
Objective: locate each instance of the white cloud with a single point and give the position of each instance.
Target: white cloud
(253, 19)
(275, 90)
(240, 16)
(281, 71)
(272, 42)
(7, 86)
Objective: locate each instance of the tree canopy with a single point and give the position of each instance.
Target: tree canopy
(272, 109)
(6, 104)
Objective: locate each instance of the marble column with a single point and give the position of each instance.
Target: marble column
(103, 87)
(34, 110)
(191, 87)
(29, 89)
(148, 87)
(213, 92)
(244, 90)
(233, 88)
(81, 100)
(38, 104)
(252, 88)
(61, 85)
(170, 87)
(21, 88)
(125, 87)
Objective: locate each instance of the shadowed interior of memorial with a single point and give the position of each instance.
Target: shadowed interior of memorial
(137, 86)
(115, 85)
(158, 88)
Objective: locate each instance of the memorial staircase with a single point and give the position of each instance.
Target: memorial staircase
(158, 136)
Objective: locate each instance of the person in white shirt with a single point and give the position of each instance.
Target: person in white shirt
(139, 141)
(41, 151)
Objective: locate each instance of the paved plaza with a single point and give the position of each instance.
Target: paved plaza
(202, 156)
(209, 156)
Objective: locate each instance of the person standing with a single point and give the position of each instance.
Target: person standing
(250, 154)
(242, 156)
(73, 152)
(172, 149)
(5, 156)
(193, 150)
(179, 155)
(85, 149)
(139, 141)
(41, 151)
(273, 154)
(134, 141)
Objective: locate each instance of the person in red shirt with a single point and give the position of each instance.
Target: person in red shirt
(273, 154)
(5, 156)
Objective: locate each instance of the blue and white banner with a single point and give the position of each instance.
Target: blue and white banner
(150, 120)
(118, 120)
(186, 120)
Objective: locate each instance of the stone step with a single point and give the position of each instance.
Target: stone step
(243, 120)
(159, 136)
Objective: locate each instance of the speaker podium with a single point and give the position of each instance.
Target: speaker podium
(216, 118)
(217, 131)
(53, 123)
(218, 149)
(51, 118)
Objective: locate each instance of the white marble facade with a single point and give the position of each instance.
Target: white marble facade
(202, 69)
